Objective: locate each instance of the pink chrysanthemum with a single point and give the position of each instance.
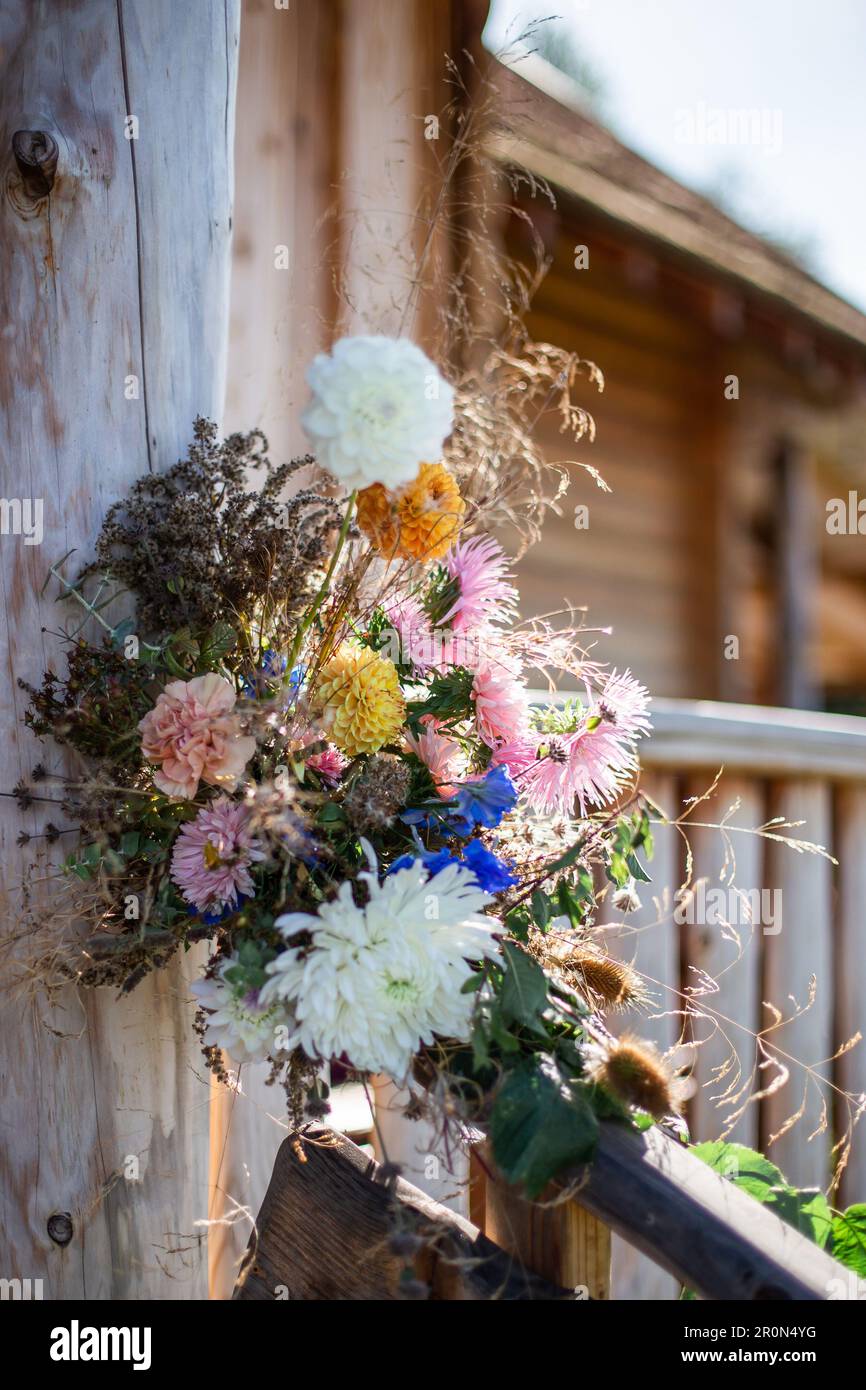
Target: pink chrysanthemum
(329, 764)
(486, 596)
(501, 704)
(441, 755)
(212, 856)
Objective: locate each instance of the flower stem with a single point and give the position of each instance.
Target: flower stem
(310, 615)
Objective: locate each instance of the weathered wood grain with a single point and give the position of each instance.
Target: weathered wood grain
(561, 1241)
(328, 1226)
(113, 311)
(724, 944)
(850, 972)
(802, 950)
(697, 1225)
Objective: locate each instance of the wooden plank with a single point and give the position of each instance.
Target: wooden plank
(850, 982)
(286, 152)
(801, 950)
(561, 1241)
(797, 575)
(649, 939)
(722, 940)
(114, 284)
(710, 1235)
(328, 1228)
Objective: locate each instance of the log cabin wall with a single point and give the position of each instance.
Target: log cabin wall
(686, 551)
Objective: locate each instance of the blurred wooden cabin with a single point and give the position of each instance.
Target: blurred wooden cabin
(735, 383)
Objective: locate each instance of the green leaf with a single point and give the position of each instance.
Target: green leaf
(540, 908)
(745, 1167)
(849, 1238)
(541, 1123)
(638, 872)
(805, 1209)
(524, 987)
(129, 843)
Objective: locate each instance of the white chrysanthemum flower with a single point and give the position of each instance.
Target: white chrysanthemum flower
(239, 1019)
(380, 408)
(382, 979)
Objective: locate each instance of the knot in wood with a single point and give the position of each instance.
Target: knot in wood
(60, 1227)
(35, 154)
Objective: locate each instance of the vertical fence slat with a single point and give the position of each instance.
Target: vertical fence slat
(710, 944)
(654, 949)
(801, 949)
(850, 939)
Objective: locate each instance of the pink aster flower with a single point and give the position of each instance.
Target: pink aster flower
(501, 703)
(441, 755)
(212, 855)
(553, 772)
(329, 764)
(622, 703)
(194, 735)
(486, 596)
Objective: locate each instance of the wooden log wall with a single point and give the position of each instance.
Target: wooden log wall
(116, 130)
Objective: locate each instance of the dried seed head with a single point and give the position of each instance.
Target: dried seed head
(605, 982)
(374, 799)
(626, 899)
(636, 1074)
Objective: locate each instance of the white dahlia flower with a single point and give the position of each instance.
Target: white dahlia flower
(380, 408)
(239, 1019)
(382, 979)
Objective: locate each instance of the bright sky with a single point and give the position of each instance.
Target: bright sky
(676, 73)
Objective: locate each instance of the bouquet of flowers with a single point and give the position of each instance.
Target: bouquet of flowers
(312, 740)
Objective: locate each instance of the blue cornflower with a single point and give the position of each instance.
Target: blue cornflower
(491, 874)
(433, 860)
(484, 802)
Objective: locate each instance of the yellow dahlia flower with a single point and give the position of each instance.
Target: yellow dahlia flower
(430, 512)
(363, 706)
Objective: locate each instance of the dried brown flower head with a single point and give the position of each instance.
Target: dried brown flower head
(199, 548)
(637, 1074)
(377, 794)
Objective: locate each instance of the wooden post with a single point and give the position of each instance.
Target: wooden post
(116, 129)
(555, 1239)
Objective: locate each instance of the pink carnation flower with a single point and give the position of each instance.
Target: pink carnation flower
(212, 855)
(441, 755)
(194, 735)
(480, 567)
(501, 704)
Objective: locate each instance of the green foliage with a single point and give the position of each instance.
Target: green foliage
(542, 1122)
(448, 698)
